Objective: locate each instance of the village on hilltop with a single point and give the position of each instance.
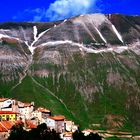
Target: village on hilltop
(14, 112)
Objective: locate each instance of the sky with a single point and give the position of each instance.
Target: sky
(53, 10)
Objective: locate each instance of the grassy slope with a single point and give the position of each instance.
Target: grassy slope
(90, 70)
(29, 91)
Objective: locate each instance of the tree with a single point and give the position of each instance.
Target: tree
(93, 136)
(78, 135)
(42, 132)
(17, 132)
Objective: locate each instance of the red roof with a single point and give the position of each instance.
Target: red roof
(18, 122)
(57, 118)
(21, 104)
(7, 125)
(41, 109)
(30, 124)
(27, 104)
(8, 112)
(3, 99)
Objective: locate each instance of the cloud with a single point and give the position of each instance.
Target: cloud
(58, 10)
(62, 9)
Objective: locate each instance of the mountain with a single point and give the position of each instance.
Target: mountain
(86, 68)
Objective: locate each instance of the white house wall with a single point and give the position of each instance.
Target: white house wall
(7, 109)
(6, 103)
(50, 123)
(26, 111)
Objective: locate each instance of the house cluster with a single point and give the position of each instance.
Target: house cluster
(14, 112)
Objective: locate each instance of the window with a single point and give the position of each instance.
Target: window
(7, 117)
(8, 101)
(3, 115)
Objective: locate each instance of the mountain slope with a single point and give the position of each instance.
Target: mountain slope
(86, 68)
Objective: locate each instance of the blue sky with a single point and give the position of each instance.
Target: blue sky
(52, 10)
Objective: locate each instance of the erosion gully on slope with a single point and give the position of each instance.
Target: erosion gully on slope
(32, 48)
(82, 47)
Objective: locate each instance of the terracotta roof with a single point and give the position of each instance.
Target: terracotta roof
(3, 99)
(18, 122)
(41, 109)
(21, 104)
(27, 104)
(8, 112)
(7, 125)
(30, 124)
(57, 118)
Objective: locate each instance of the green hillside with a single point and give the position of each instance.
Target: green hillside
(113, 102)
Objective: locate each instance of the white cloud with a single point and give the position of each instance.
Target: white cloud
(62, 9)
(59, 9)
